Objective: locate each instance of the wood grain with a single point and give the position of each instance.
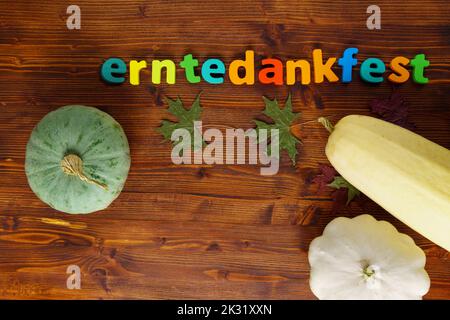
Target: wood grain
(196, 231)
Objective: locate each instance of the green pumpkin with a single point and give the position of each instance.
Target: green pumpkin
(77, 159)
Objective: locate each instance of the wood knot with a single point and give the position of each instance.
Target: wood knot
(10, 223)
(213, 247)
(201, 173)
(273, 34)
(142, 11)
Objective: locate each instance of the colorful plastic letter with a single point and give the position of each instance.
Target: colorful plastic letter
(419, 63)
(248, 64)
(400, 73)
(135, 70)
(347, 62)
(322, 70)
(273, 74)
(189, 64)
(370, 67)
(305, 68)
(157, 66)
(112, 70)
(213, 71)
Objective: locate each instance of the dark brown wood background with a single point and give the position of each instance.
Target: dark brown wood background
(196, 231)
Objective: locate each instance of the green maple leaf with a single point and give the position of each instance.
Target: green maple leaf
(339, 182)
(186, 118)
(283, 119)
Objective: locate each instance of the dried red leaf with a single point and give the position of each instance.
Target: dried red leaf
(394, 109)
(339, 199)
(326, 176)
(342, 196)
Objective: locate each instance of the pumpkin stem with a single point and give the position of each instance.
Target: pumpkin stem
(72, 165)
(326, 123)
(368, 272)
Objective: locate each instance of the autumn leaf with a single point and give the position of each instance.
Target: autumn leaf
(339, 200)
(340, 183)
(393, 109)
(283, 119)
(325, 177)
(186, 119)
(329, 177)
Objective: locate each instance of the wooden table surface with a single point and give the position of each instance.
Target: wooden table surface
(196, 231)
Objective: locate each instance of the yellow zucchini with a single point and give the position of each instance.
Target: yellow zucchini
(403, 172)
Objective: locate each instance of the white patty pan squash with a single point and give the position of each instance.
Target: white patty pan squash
(77, 159)
(403, 172)
(366, 259)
